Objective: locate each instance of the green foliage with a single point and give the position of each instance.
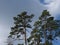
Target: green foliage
(41, 26)
(47, 42)
(49, 24)
(22, 22)
(45, 13)
(50, 37)
(18, 36)
(31, 43)
(50, 19)
(20, 44)
(12, 33)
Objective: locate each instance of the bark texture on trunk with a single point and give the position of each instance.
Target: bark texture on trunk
(38, 42)
(25, 37)
(45, 34)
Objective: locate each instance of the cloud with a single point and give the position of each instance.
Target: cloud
(48, 1)
(10, 8)
(54, 7)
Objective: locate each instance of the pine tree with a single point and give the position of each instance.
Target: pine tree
(22, 22)
(51, 26)
(48, 24)
(43, 18)
(57, 32)
(36, 34)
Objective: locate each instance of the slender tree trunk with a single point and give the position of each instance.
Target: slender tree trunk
(38, 42)
(50, 42)
(25, 37)
(25, 31)
(34, 42)
(45, 34)
(45, 37)
(51, 37)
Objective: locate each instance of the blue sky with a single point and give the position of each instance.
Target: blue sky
(10, 8)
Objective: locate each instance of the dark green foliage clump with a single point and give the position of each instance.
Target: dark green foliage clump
(22, 22)
(44, 25)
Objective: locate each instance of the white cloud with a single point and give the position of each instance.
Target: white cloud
(14, 7)
(48, 1)
(2, 41)
(54, 7)
(32, 6)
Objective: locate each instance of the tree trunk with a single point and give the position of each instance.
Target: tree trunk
(34, 42)
(45, 34)
(51, 37)
(50, 42)
(25, 37)
(45, 37)
(38, 42)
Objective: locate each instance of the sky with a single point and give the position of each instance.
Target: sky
(10, 8)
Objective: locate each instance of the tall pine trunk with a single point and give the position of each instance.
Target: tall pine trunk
(50, 37)
(45, 34)
(25, 37)
(38, 42)
(45, 37)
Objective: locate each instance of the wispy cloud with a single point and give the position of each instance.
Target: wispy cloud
(54, 7)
